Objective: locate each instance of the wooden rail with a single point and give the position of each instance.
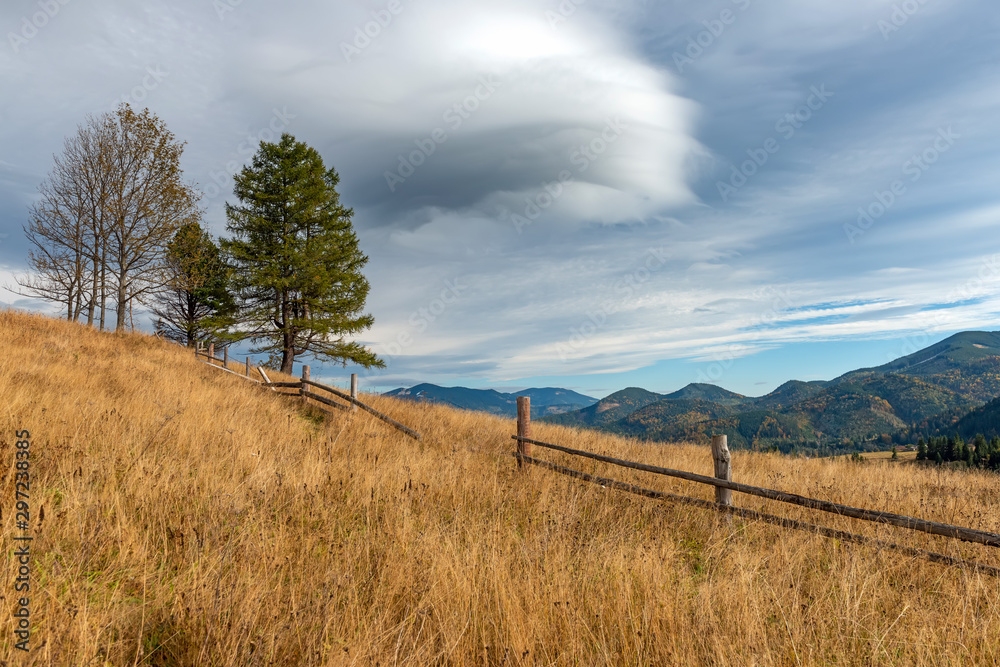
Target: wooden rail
(352, 398)
(724, 486)
(324, 401)
(760, 516)
(354, 401)
(912, 523)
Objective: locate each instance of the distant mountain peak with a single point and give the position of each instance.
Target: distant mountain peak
(544, 401)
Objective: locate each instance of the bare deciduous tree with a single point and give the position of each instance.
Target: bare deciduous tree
(113, 201)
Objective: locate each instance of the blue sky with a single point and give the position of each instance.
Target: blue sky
(585, 194)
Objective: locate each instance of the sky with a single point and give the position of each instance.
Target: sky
(591, 194)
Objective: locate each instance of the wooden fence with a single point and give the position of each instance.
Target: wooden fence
(724, 486)
(302, 388)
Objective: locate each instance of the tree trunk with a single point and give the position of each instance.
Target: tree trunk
(93, 293)
(287, 359)
(288, 353)
(79, 302)
(104, 284)
(122, 304)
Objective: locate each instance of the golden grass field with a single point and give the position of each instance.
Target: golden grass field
(193, 518)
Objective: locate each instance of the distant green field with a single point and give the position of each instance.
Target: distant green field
(901, 456)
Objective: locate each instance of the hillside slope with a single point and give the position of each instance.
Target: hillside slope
(967, 363)
(184, 516)
(609, 409)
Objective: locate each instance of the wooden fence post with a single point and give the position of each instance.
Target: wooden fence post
(248, 366)
(225, 357)
(354, 391)
(723, 469)
(211, 352)
(305, 378)
(523, 427)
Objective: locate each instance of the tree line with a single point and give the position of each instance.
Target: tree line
(980, 453)
(115, 226)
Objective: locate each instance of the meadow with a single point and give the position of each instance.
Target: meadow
(185, 516)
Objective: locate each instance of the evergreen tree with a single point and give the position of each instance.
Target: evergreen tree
(921, 450)
(981, 446)
(196, 304)
(949, 450)
(297, 264)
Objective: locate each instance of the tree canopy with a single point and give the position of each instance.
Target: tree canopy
(296, 259)
(196, 304)
(112, 202)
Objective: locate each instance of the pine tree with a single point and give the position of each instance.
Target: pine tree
(921, 450)
(197, 304)
(297, 263)
(981, 449)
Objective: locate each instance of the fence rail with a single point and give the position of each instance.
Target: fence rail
(301, 386)
(723, 482)
(903, 521)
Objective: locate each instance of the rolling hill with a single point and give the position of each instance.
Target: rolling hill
(609, 409)
(547, 401)
(708, 392)
(967, 363)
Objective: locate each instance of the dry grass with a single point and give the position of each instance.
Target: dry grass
(194, 518)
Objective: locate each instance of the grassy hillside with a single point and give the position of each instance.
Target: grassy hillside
(191, 518)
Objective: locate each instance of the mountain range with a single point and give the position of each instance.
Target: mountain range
(547, 401)
(927, 392)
